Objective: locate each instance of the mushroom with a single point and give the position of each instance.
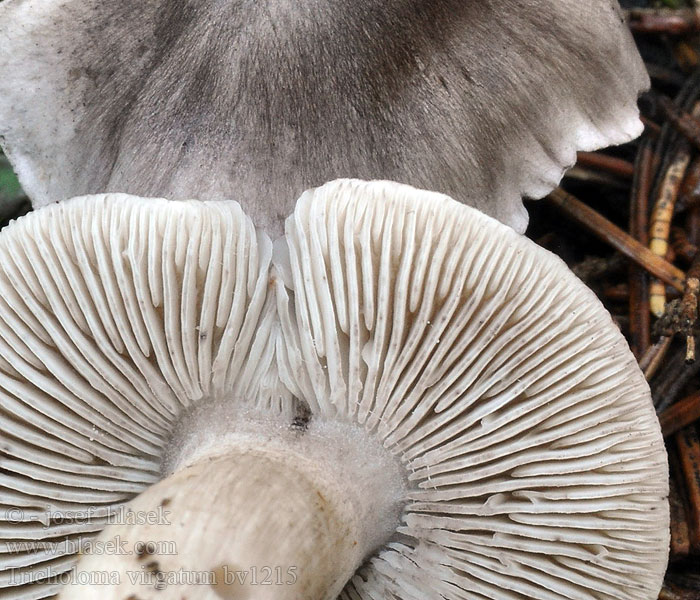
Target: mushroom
(483, 100)
(401, 399)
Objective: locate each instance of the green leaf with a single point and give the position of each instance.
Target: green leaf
(10, 189)
(13, 202)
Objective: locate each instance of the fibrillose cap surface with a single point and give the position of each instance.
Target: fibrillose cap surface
(533, 461)
(483, 100)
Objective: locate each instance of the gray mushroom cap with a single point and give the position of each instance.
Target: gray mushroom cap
(412, 330)
(484, 100)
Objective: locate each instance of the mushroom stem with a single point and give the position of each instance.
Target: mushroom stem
(247, 525)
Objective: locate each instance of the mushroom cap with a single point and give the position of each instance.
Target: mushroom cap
(534, 460)
(483, 100)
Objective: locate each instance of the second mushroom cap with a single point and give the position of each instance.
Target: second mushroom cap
(484, 100)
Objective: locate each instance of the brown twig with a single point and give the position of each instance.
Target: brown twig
(608, 164)
(593, 177)
(676, 22)
(680, 415)
(617, 238)
(651, 360)
(680, 540)
(640, 327)
(688, 445)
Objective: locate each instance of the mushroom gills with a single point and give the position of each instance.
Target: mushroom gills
(467, 408)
